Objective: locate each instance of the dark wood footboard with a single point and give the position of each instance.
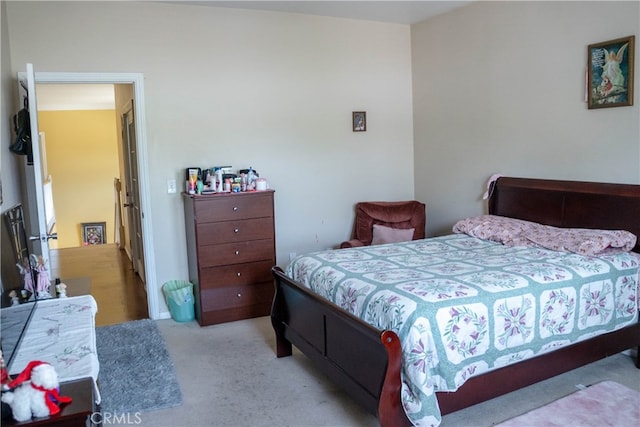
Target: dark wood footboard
(364, 361)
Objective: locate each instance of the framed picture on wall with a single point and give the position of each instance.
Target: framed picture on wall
(359, 119)
(610, 73)
(94, 233)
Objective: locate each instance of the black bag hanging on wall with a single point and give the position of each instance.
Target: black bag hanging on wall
(22, 127)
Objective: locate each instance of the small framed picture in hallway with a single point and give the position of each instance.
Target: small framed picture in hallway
(93, 233)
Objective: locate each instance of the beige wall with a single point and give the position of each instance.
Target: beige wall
(499, 88)
(82, 158)
(496, 87)
(8, 161)
(247, 88)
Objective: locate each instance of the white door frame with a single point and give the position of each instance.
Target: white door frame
(137, 79)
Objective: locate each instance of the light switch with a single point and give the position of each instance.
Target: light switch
(171, 186)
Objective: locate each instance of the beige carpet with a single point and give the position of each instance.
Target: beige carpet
(229, 376)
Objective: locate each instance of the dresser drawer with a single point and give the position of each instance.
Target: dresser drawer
(236, 274)
(236, 296)
(234, 206)
(235, 253)
(212, 233)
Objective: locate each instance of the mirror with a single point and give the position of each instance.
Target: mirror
(19, 290)
(25, 264)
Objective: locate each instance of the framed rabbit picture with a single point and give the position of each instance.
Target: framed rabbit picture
(610, 73)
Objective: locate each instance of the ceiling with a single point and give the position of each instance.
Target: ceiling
(393, 11)
(101, 96)
(74, 96)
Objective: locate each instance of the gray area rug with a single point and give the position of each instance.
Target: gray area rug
(136, 371)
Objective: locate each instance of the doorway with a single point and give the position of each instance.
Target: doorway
(80, 160)
(86, 152)
(135, 82)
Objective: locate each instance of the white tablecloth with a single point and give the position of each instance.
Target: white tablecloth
(62, 332)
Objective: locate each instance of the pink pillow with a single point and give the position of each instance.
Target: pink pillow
(517, 232)
(582, 241)
(502, 229)
(382, 234)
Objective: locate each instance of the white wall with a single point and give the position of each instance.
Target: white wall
(499, 88)
(247, 88)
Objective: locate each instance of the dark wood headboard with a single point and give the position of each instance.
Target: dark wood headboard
(569, 203)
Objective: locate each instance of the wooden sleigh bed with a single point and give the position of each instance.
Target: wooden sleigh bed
(367, 362)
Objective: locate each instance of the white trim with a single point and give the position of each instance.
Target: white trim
(137, 79)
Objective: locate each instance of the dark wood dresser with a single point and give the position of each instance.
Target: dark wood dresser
(81, 412)
(231, 249)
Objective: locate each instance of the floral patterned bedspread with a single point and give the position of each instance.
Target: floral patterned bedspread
(62, 333)
(463, 306)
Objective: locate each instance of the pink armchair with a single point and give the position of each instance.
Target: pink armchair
(395, 215)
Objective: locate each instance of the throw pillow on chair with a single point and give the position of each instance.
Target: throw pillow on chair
(382, 234)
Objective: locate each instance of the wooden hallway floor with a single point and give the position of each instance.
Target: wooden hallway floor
(118, 291)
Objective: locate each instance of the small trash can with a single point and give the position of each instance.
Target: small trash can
(179, 296)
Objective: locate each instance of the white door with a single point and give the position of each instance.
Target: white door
(35, 180)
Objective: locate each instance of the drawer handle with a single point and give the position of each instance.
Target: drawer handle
(239, 295)
(238, 274)
(237, 252)
(235, 208)
(236, 230)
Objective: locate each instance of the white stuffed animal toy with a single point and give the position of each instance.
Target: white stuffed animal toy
(36, 393)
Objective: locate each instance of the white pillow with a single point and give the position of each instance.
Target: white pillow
(382, 234)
